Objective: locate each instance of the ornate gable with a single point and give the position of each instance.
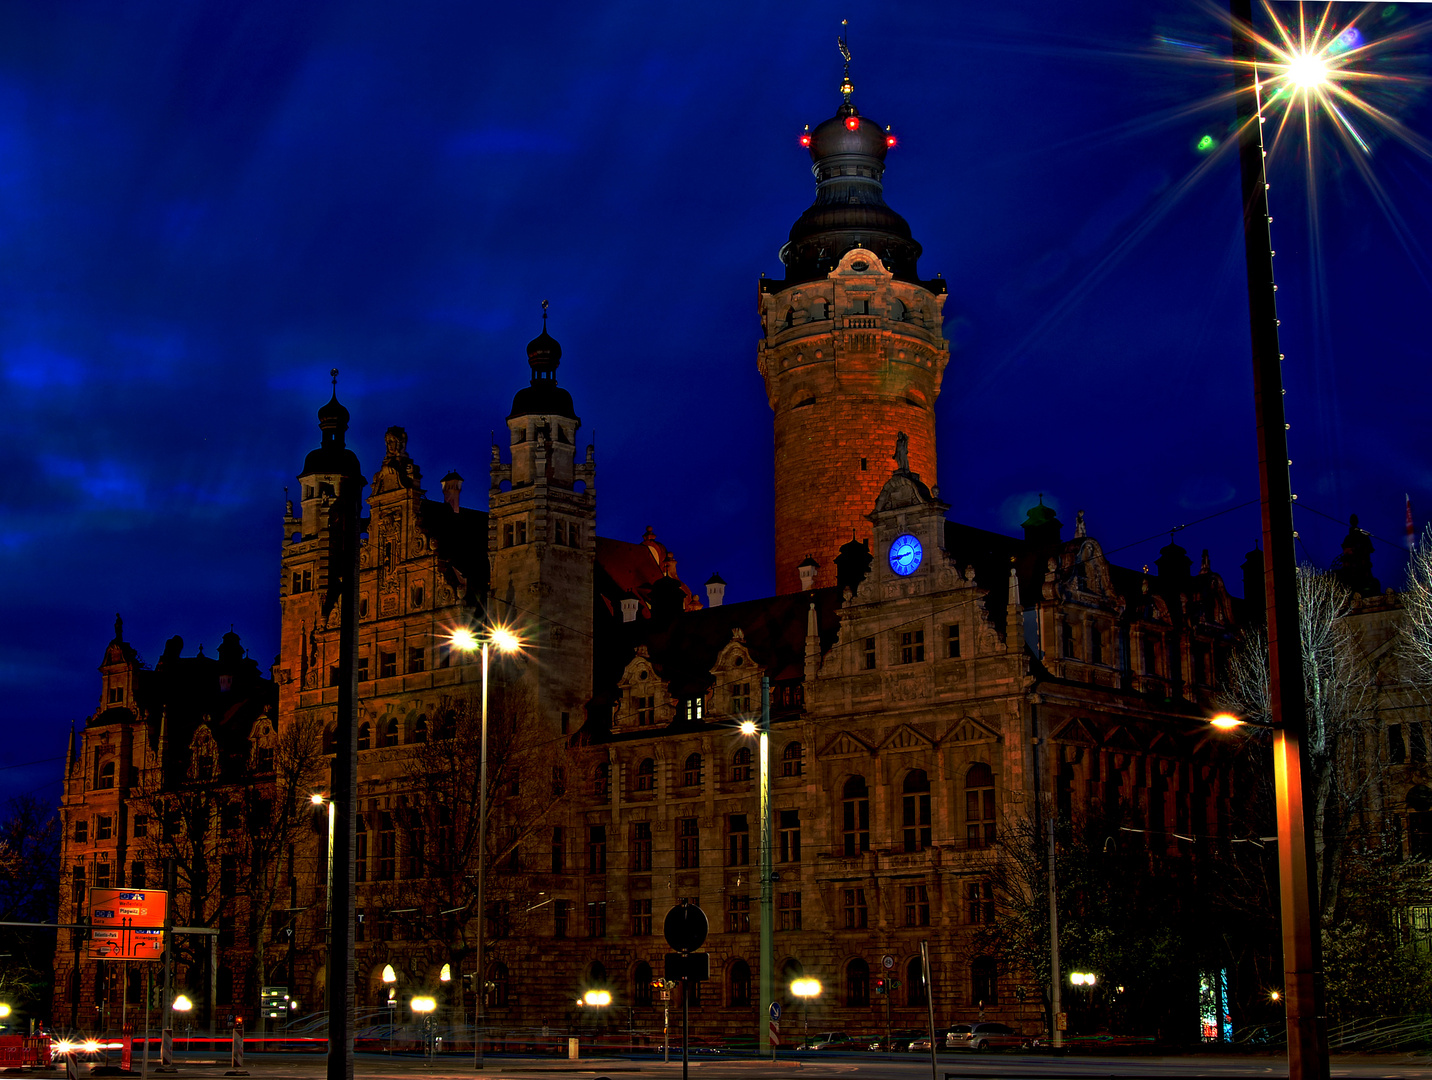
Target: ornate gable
(1076, 732)
(969, 730)
(845, 744)
(906, 737)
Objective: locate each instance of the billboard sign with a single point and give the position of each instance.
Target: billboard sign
(127, 924)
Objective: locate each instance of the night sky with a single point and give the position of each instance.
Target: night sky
(205, 206)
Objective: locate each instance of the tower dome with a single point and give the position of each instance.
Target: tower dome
(332, 455)
(543, 395)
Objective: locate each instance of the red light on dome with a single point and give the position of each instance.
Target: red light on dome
(805, 139)
(889, 140)
(853, 123)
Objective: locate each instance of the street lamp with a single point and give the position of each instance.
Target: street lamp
(805, 989)
(182, 1005)
(318, 799)
(506, 641)
(762, 728)
(1297, 859)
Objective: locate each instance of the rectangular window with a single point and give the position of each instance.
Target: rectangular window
(952, 641)
(790, 836)
(559, 856)
(574, 536)
(857, 917)
(1416, 746)
(81, 832)
(77, 885)
(522, 532)
(360, 853)
(507, 535)
(915, 820)
(101, 875)
(295, 585)
(561, 534)
(790, 909)
(561, 915)
(597, 849)
(387, 849)
(1151, 655)
(688, 843)
(641, 917)
(740, 698)
(917, 905)
(739, 837)
(645, 711)
(1066, 636)
(870, 654)
(695, 708)
(912, 646)
(738, 914)
(137, 876)
(1096, 644)
(387, 664)
(228, 876)
(141, 824)
(1396, 750)
(981, 902)
(362, 669)
(566, 722)
(641, 846)
(308, 581)
(116, 695)
(416, 656)
(597, 919)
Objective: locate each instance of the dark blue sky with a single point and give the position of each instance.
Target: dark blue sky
(204, 207)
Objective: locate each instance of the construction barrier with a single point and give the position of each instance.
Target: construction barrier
(166, 1049)
(236, 1054)
(21, 1051)
(126, 1053)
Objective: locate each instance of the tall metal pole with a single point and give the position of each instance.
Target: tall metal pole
(343, 571)
(1056, 1036)
(1302, 952)
(767, 976)
(477, 979)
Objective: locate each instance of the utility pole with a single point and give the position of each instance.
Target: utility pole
(767, 974)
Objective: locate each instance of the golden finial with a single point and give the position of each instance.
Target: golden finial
(333, 374)
(846, 87)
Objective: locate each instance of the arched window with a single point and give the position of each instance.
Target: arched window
(984, 982)
(915, 810)
(646, 775)
(420, 730)
(791, 759)
(738, 982)
(915, 990)
(855, 816)
(741, 764)
(106, 775)
(641, 979)
(791, 970)
(602, 782)
(364, 735)
(691, 772)
(500, 986)
(979, 805)
(857, 983)
(390, 733)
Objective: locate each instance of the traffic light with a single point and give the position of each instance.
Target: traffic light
(880, 986)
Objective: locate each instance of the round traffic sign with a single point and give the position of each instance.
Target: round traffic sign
(775, 1010)
(887, 961)
(685, 927)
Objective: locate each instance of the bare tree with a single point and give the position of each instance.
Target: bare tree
(1416, 628)
(29, 882)
(1337, 686)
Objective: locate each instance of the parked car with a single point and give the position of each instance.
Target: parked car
(988, 1037)
(955, 1036)
(832, 1040)
(898, 1040)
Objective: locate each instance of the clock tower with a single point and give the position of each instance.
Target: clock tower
(852, 352)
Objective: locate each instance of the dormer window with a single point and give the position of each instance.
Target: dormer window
(741, 698)
(695, 708)
(116, 695)
(104, 778)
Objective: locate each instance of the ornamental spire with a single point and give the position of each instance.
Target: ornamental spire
(847, 88)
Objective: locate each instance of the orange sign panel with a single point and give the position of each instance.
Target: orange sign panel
(127, 924)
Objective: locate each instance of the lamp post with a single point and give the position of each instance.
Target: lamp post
(182, 1005)
(1302, 951)
(390, 977)
(805, 989)
(318, 799)
(424, 1006)
(767, 961)
(505, 641)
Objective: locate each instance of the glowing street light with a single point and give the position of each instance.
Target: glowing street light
(1307, 71)
(805, 989)
(4, 1011)
(423, 1005)
(182, 1004)
(1226, 721)
(762, 727)
(506, 641)
(1081, 978)
(597, 998)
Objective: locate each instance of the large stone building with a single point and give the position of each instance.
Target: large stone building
(932, 685)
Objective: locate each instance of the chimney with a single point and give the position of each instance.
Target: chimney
(630, 604)
(808, 571)
(452, 488)
(715, 591)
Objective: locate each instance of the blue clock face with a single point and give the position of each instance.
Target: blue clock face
(905, 555)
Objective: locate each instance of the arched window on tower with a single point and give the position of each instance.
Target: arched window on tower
(915, 810)
(105, 779)
(855, 816)
(979, 806)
